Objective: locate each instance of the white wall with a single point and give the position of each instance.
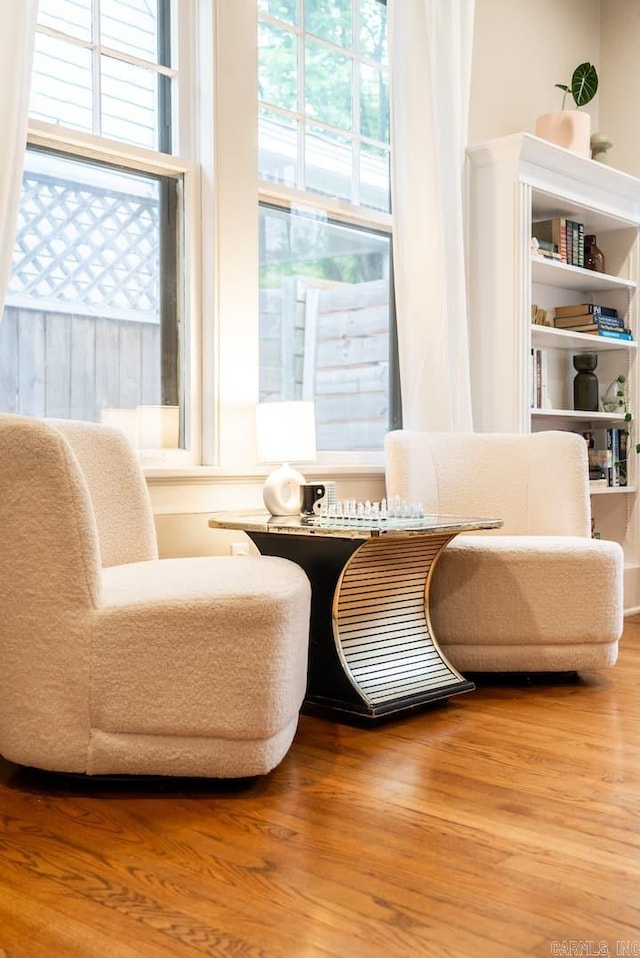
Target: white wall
(620, 82)
(521, 49)
(182, 505)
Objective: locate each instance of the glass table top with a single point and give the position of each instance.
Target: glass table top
(353, 528)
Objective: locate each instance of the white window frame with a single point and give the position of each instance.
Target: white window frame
(231, 194)
(216, 51)
(181, 164)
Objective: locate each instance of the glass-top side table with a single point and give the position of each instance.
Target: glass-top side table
(372, 652)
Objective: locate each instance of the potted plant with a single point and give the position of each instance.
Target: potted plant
(616, 400)
(571, 128)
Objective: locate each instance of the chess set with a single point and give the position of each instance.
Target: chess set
(394, 512)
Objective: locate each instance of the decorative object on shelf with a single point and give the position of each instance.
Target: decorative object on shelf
(600, 144)
(615, 398)
(561, 234)
(571, 129)
(540, 316)
(607, 451)
(551, 233)
(544, 249)
(593, 256)
(286, 432)
(585, 383)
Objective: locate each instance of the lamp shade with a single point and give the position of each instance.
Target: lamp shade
(286, 431)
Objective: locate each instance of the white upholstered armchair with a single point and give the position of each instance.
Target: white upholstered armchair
(113, 661)
(537, 595)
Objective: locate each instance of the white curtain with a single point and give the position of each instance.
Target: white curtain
(431, 49)
(17, 36)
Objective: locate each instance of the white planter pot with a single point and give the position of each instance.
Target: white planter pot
(570, 129)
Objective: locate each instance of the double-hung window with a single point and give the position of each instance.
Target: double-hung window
(94, 318)
(326, 296)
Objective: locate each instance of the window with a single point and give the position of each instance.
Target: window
(92, 326)
(326, 304)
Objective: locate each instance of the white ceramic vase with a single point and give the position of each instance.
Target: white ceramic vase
(570, 129)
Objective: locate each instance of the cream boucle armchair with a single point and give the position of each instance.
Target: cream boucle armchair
(537, 595)
(113, 661)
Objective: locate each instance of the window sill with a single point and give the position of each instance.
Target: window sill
(193, 475)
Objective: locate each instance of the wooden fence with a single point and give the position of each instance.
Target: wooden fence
(319, 340)
(73, 366)
(329, 342)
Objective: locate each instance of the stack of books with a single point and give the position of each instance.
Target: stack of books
(608, 451)
(562, 236)
(591, 318)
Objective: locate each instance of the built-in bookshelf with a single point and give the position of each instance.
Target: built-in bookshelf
(514, 183)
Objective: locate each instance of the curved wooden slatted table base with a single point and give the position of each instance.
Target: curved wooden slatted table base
(381, 625)
(372, 652)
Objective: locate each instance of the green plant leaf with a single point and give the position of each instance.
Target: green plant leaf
(563, 86)
(584, 83)
(627, 417)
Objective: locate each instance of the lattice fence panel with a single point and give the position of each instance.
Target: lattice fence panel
(90, 248)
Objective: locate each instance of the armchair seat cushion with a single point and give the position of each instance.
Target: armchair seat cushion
(528, 603)
(537, 594)
(161, 625)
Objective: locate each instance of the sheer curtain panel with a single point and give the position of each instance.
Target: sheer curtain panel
(431, 49)
(17, 38)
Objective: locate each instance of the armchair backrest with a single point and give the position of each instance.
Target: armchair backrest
(118, 491)
(49, 557)
(537, 483)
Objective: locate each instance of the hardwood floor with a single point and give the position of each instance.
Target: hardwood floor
(506, 823)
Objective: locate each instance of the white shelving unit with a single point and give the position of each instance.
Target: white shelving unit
(513, 182)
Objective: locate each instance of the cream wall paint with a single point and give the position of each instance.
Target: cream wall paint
(521, 49)
(620, 76)
(182, 505)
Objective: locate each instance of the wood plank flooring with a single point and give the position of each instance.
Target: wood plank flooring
(506, 823)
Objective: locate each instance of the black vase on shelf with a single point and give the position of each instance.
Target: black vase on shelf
(585, 383)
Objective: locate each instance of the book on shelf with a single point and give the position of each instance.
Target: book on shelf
(622, 334)
(553, 233)
(594, 327)
(593, 322)
(548, 254)
(607, 451)
(623, 452)
(575, 247)
(613, 448)
(585, 309)
(581, 256)
(539, 378)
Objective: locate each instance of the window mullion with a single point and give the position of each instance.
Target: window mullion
(95, 68)
(164, 84)
(302, 122)
(355, 105)
(325, 307)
